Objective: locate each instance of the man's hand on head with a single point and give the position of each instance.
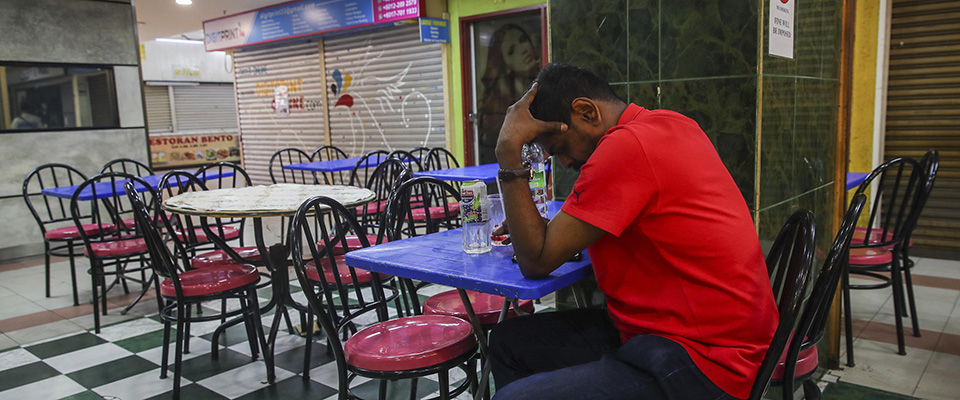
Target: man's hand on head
(520, 127)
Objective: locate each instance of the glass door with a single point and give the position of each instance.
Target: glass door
(506, 51)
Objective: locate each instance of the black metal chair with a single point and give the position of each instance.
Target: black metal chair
(239, 178)
(382, 181)
(408, 159)
(131, 167)
(97, 221)
(420, 153)
(181, 289)
(365, 166)
(327, 153)
(341, 297)
(788, 264)
(800, 360)
(60, 236)
(288, 156)
(878, 249)
(439, 158)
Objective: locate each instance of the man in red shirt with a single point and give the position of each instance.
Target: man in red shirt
(690, 312)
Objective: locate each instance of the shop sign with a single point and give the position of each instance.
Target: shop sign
(782, 28)
(302, 18)
(171, 151)
(434, 30)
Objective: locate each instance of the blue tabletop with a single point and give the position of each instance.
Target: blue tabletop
(343, 164)
(486, 173)
(854, 179)
(439, 258)
(104, 189)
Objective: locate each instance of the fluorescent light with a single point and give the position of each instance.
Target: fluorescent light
(184, 41)
(185, 2)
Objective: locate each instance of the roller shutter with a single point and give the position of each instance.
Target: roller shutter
(207, 107)
(923, 108)
(159, 115)
(386, 91)
(262, 132)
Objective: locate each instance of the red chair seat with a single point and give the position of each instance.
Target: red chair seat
(229, 233)
(118, 248)
(438, 212)
(218, 258)
(870, 256)
(353, 243)
(199, 282)
(860, 233)
(806, 363)
(374, 207)
(363, 276)
(71, 232)
(486, 306)
(410, 343)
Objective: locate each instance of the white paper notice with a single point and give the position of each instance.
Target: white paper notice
(781, 27)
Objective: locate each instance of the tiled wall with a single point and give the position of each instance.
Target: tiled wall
(773, 120)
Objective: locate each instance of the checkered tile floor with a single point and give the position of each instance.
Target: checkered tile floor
(123, 362)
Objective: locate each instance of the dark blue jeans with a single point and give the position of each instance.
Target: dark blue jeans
(578, 355)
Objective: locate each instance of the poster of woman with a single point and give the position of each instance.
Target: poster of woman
(508, 58)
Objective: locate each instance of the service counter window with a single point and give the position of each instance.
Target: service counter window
(36, 97)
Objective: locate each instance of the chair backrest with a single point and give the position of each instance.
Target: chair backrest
(49, 211)
(287, 156)
(178, 182)
(240, 178)
(382, 181)
(327, 153)
(788, 263)
(898, 185)
(813, 320)
(365, 165)
(437, 201)
(408, 159)
(929, 164)
(338, 299)
(439, 158)
(164, 263)
(127, 166)
(420, 153)
(103, 213)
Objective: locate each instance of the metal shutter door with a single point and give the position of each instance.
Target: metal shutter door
(389, 93)
(262, 131)
(159, 117)
(207, 107)
(923, 108)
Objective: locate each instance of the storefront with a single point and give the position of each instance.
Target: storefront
(352, 74)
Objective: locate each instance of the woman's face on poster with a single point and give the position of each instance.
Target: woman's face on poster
(517, 51)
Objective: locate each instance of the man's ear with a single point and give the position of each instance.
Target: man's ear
(586, 110)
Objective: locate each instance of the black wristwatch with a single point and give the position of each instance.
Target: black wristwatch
(508, 174)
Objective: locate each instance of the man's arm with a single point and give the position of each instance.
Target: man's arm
(540, 246)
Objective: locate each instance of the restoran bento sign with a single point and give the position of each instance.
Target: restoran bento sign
(303, 18)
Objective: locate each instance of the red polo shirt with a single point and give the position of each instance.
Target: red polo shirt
(681, 258)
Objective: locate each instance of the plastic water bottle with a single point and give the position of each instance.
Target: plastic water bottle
(534, 157)
(475, 216)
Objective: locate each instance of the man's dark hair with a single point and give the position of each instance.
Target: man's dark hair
(560, 84)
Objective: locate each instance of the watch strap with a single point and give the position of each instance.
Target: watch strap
(509, 174)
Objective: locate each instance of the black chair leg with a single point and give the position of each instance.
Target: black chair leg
(810, 390)
(46, 265)
(166, 349)
(258, 326)
(248, 325)
(898, 302)
(445, 384)
(186, 330)
(413, 389)
(910, 299)
(73, 275)
(308, 348)
(847, 316)
(96, 302)
(178, 357)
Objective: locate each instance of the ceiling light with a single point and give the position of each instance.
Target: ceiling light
(185, 2)
(184, 41)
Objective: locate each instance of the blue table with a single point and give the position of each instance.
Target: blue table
(439, 258)
(105, 189)
(486, 173)
(343, 164)
(854, 179)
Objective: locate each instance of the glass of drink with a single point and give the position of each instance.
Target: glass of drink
(496, 219)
